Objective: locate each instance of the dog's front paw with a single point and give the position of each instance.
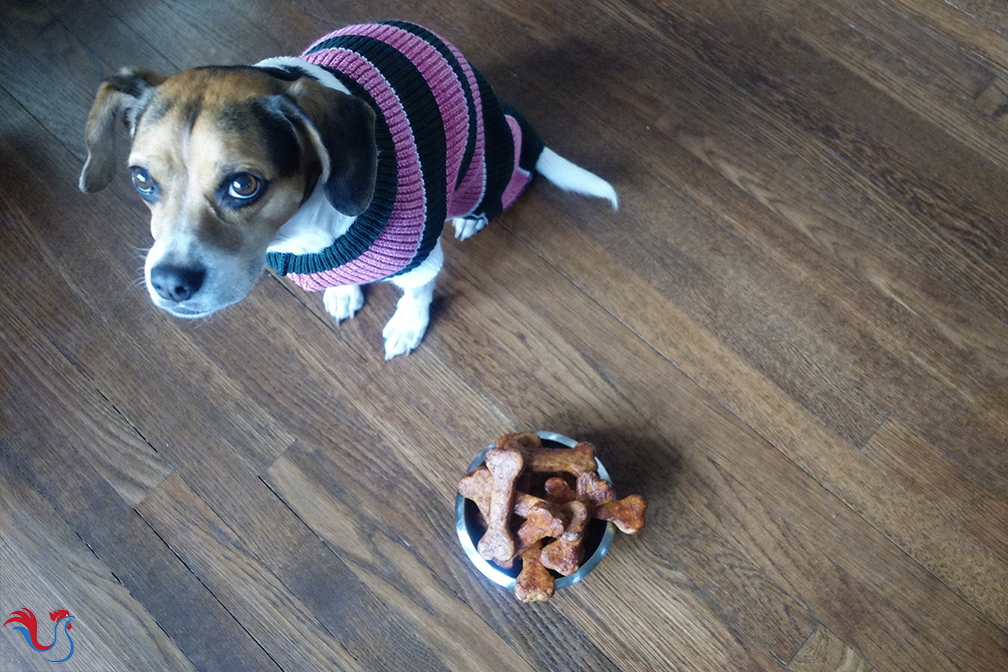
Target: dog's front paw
(405, 330)
(467, 227)
(343, 302)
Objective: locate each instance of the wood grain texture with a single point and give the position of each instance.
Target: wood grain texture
(257, 598)
(44, 566)
(628, 365)
(791, 340)
(824, 652)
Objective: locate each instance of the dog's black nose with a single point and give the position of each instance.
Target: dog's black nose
(176, 283)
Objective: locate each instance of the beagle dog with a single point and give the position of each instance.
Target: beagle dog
(337, 168)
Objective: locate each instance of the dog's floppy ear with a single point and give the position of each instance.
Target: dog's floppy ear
(342, 129)
(120, 99)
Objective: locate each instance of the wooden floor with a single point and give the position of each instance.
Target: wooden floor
(792, 339)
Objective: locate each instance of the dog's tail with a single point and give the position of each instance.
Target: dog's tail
(571, 177)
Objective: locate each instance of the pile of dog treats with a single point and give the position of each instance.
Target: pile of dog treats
(536, 502)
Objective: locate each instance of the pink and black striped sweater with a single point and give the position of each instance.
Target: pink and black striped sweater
(446, 148)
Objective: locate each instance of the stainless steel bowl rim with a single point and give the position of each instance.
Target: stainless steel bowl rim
(496, 575)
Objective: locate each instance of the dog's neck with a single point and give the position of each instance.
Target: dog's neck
(316, 225)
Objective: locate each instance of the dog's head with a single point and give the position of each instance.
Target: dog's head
(223, 158)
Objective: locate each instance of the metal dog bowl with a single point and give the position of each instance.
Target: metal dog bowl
(598, 534)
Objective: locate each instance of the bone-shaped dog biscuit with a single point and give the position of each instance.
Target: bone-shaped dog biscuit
(558, 491)
(476, 486)
(592, 489)
(564, 554)
(505, 466)
(534, 582)
(626, 513)
(541, 522)
(574, 460)
(523, 441)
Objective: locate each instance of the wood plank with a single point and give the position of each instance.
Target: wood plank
(42, 386)
(11, 651)
(677, 277)
(45, 565)
(950, 353)
(913, 64)
(833, 98)
(395, 572)
(963, 22)
(284, 627)
(824, 652)
(951, 526)
(906, 295)
(942, 412)
(135, 555)
(896, 142)
(218, 34)
(746, 473)
(94, 466)
(42, 42)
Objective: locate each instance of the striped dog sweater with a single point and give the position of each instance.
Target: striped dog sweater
(447, 147)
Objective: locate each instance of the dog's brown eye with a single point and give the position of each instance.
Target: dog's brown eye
(142, 180)
(145, 185)
(244, 185)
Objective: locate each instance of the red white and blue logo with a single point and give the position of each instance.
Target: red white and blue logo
(26, 624)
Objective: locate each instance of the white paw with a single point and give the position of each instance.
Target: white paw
(343, 302)
(406, 328)
(467, 227)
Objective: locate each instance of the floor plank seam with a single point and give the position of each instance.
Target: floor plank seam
(798, 650)
(909, 619)
(644, 340)
(43, 126)
(14, 463)
(392, 612)
(208, 590)
(887, 89)
(877, 187)
(94, 386)
(444, 430)
(140, 37)
(864, 444)
(920, 565)
(329, 324)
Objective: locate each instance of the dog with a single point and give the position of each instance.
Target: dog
(337, 168)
